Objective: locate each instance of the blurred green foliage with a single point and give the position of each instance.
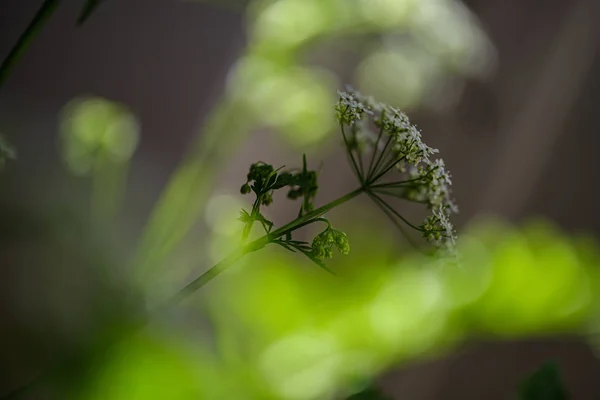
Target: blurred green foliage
(97, 139)
(95, 131)
(284, 330)
(412, 45)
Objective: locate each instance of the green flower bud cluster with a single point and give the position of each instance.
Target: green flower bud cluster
(324, 242)
(304, 185)
(263, 180)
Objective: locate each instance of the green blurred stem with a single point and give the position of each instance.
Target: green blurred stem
(187, 191)
(32, 30)
(259, 244)
(108, 183)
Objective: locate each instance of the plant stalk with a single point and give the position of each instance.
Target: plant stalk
(257, 245)
(32, 30)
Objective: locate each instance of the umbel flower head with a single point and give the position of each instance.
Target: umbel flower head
(390, 159)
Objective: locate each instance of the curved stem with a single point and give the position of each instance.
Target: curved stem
(385, 171)
(374, 152)
(397, 196)
(396, 213)
(359, 155)
(351, 154)
(88, 9)
(392, 185)
(307, 223)
(382, 154)
(379, 204)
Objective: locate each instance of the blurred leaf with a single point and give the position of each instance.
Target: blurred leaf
(537, 283)
(543, 384)
(88, 8)
(512, 283)
(149, 366)
(188, 190)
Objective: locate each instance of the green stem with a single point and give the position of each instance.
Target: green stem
(187, 191)
(313, 214)
(88, 9)
(377, 201)
(309, 222)
(394, 185)
(253, 213)
(379, 158)
(398, 196)
(108, 184)
(385, 171)
(396, 213)
(257, 245)
(375, 148)
(358, 152)
(34, 27)
(351, 154)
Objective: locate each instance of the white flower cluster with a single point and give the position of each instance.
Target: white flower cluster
(397, 145)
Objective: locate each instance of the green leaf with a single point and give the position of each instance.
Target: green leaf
(88, 9)
(245, 217)
(284, 245)
(314, 259)
(543, 384)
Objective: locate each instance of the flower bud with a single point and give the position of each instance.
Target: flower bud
(267, 199)
(245, 189)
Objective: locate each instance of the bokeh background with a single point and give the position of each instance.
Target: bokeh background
(507, 90)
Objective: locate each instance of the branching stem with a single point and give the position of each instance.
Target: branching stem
(351, 154)
(259, 244)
